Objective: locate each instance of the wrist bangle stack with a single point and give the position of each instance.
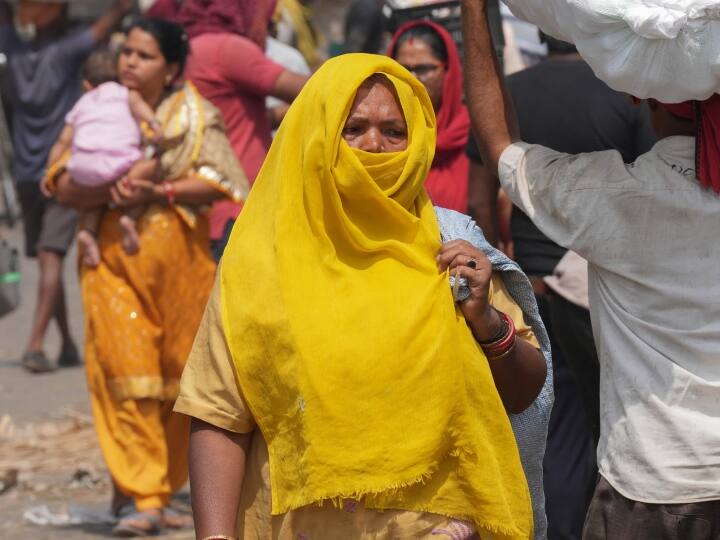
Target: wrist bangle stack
(218, 537)
(501, 331)
(502, 346)
(150, 129)
(54, 170)
(170, 192)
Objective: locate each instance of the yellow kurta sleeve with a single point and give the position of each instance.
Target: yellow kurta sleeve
(208, 389)
(501, 300)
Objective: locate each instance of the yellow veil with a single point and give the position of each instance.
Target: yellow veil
(363, 377)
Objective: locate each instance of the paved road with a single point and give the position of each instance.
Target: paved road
(27, 397)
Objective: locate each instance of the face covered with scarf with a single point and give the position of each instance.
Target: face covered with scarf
(362, 375)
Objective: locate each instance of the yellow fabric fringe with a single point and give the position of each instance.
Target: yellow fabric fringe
(364, 378)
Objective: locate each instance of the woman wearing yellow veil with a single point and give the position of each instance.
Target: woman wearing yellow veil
(358, 359)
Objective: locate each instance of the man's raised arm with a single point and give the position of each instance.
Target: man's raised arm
(491, 110)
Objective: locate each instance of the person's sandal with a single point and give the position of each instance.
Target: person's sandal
(128, 526)
(69, 357)
(36, 362)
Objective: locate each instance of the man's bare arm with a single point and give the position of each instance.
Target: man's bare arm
(102, 27)
(483, 188)
(491, 110)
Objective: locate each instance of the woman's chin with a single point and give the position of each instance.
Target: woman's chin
(130, 81)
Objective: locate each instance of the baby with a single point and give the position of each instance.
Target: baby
(103, 134)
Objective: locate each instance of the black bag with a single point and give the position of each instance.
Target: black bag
(9, 278)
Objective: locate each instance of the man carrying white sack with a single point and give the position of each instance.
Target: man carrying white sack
(649, 231)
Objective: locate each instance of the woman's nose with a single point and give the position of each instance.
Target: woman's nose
(372, 141)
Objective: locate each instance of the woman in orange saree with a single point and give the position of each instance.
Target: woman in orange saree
(142, 311)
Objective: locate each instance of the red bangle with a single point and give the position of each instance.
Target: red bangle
(170, 192)
(503, 346)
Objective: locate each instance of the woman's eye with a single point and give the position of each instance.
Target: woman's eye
(349, 130)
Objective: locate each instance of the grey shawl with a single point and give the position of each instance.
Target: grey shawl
(530, 426)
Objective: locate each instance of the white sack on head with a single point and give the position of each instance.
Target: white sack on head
(665, 49)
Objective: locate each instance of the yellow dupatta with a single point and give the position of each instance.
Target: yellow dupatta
(363, 377)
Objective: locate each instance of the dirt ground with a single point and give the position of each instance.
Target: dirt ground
(53, 483)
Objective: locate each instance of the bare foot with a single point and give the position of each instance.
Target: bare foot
(89, 250)
(176, 520)
(145, 523)
(130, 238)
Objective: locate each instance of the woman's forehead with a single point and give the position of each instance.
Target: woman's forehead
(139, 38)
(377, 94)
(415, 47)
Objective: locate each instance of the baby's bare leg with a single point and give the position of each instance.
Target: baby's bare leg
(128, 224)
(145, 169)
(87, 237)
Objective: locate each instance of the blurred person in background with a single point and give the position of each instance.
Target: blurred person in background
(292, 60)
(428, 51)
(44, 60)
(143, 310)
(294, 22)
(561, 104)
(229, 66)
(364, 26)
(164, 9)
(570, 309)
(648, 231)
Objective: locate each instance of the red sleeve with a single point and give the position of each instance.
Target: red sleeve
(244, 64)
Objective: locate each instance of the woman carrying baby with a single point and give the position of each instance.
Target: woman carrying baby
(143, 310)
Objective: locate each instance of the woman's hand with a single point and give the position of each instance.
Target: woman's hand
(193, 191)
(519, 377)
(465, 260)
(134, 192)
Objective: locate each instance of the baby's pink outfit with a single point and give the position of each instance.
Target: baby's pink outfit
(106, 138)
